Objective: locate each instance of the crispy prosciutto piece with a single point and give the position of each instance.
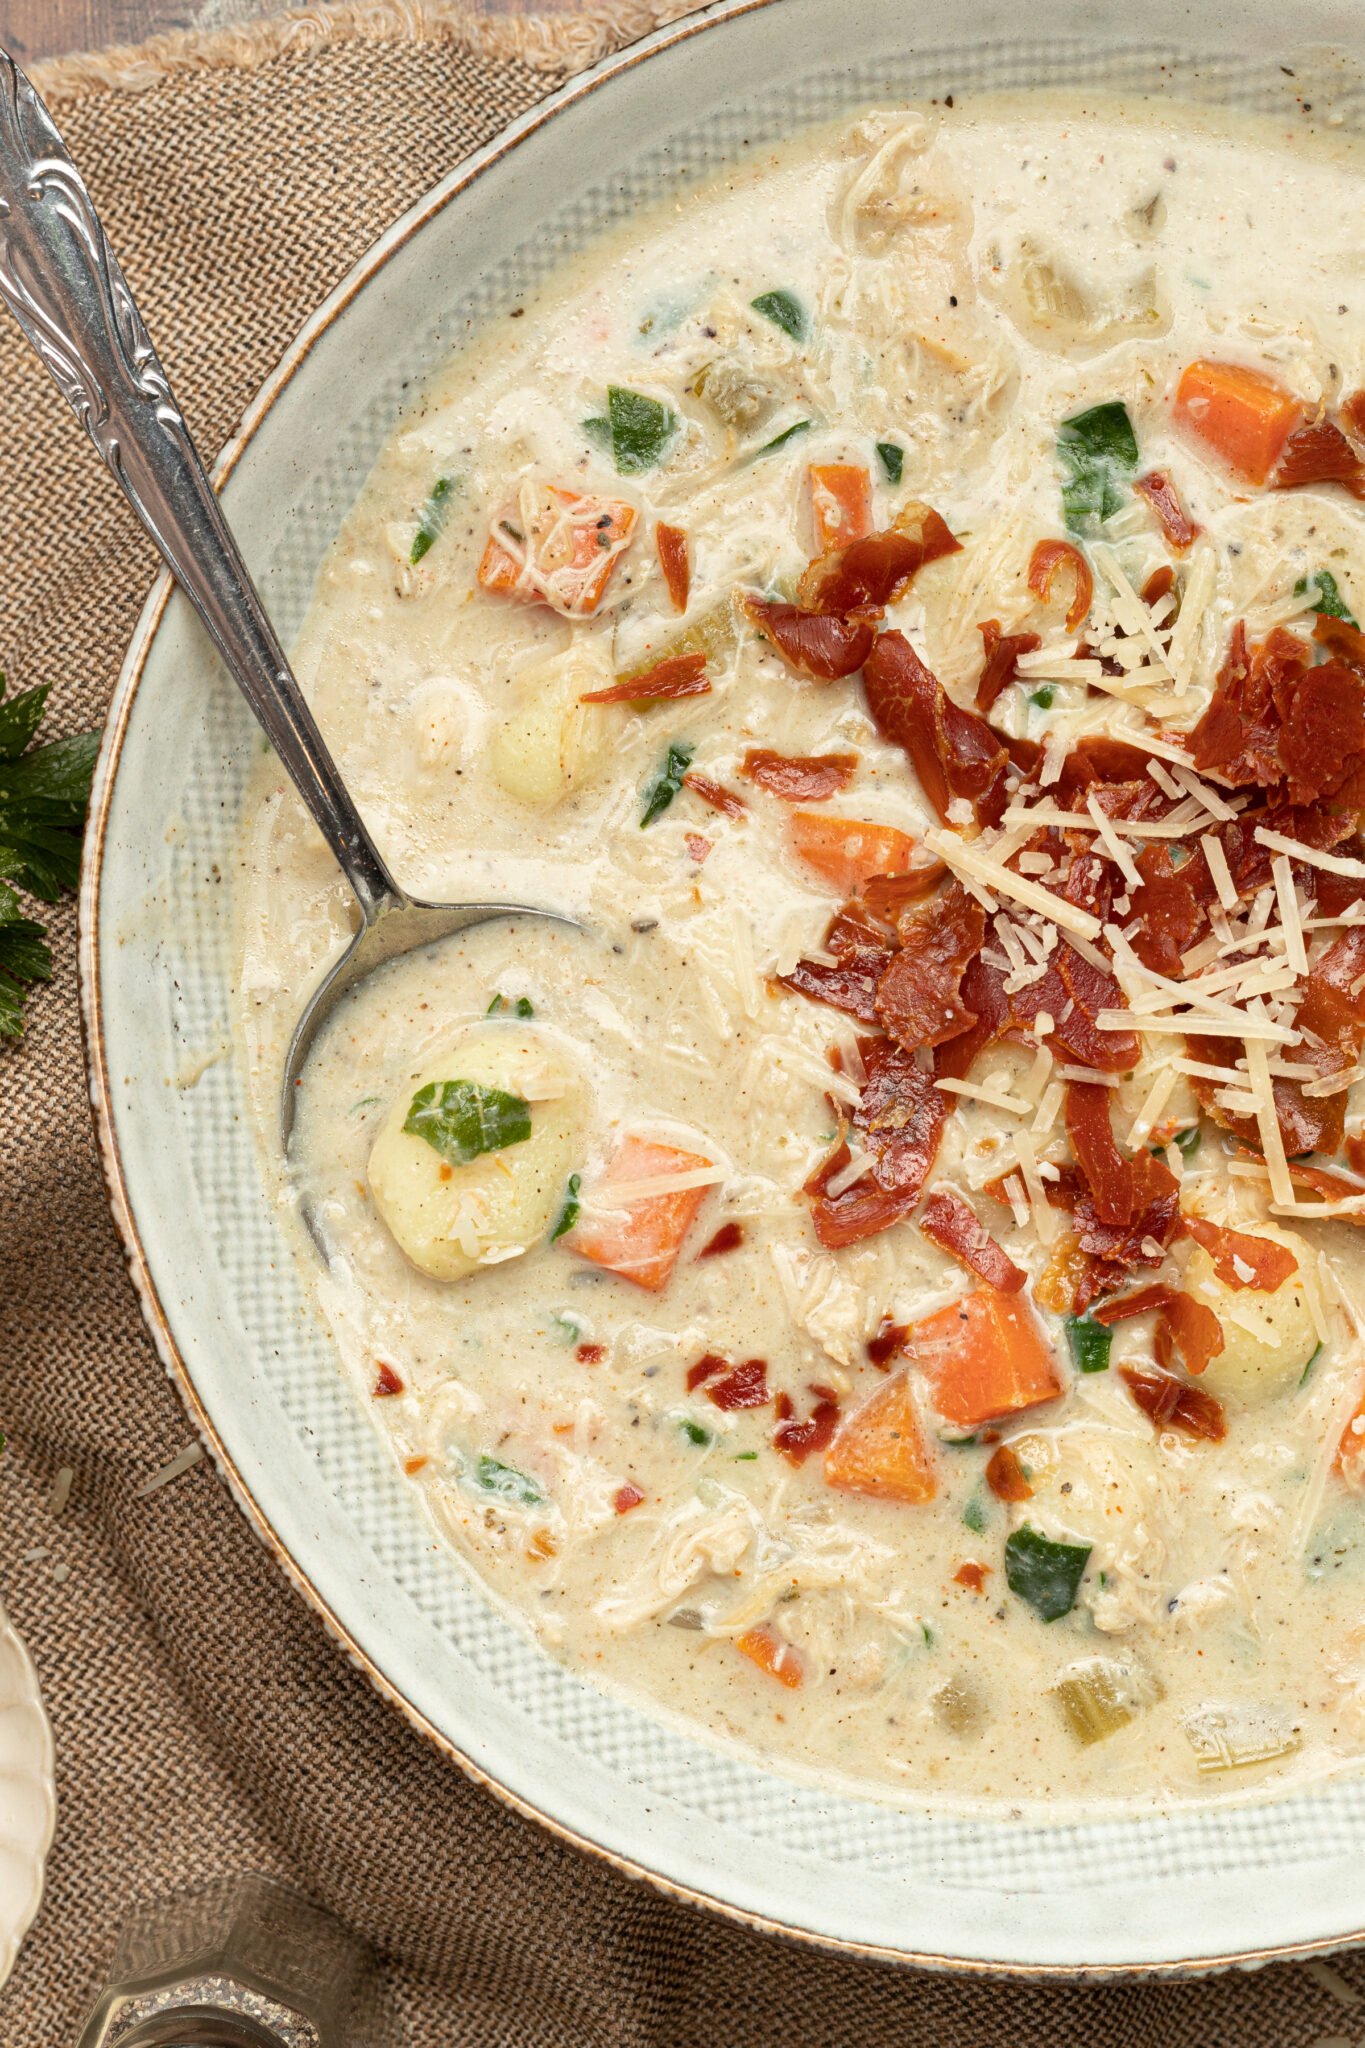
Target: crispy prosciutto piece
(1317, 452)
(727, 801)
(1276, 721)
(1181, 1321)
(952, 1224)
(918, 997)
(677, 675)
(1241, 1260)
(800, 778)
(1179, 529)
(1072, 992)
(1097, 760)
(862, 952)
(1238, 735)
(817, 644)
(1170, 1404)
(730, 1386)
(953, 752)
(1002, 651)
(890, 896)
(1333, 1187)
(1050, 557)
(862, 579)
(1308, 1123)
(899, 1120)
(1127, 1209)
(815, 1432)
(1006, 1477)
(1171, 908)
(675, 562)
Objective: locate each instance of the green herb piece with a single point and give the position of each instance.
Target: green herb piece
(494, 1007)
(1043, 698)
(974, 1515)
(668, 782)
(927, 1633)
(694, 1432)
(1187, 1141)
(740, 1457)
(636, 430)
(525, 1007)
(786, 311)
(1046, 1574)
(891, 456)
(955, 1443)
(1314, 1355)
(435, 513)
(569, 1327)
(571, 1210)
(462, 1120)
(507, 1483)
(1089, 1342)
(781, 440)
(1099, 451)
(1330, 604)
(43, 796)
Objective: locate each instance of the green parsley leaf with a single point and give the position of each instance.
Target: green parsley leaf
(740, 1457)
(1099, 451)
(1048, 1575)
(43, 793)
(891, 456)
(786, 311)
(462, 1120)
(570, 1211)
(781, 440)
(667, 783)
(1042, 698)
(1188, 1140)
(974, 1515)
(435, 513)
(636, 429)
(525, 1007)
(568, 1328)
(507, 1483)
(1090, 1343)
(1330, 602)
(694, 1432)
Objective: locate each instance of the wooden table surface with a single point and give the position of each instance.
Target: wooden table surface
(51, 28)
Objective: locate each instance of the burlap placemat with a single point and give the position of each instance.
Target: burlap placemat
(203, 1721)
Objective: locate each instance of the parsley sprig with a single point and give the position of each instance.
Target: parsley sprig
(43, 793)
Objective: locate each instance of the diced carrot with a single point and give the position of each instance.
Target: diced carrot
(642, 1243)
(676, 563)
(840, 503)
(1243, 415)
(879, 1449)
(1350, 1460)
(984, 1357)
(557, 547)
(846, 852)
(764, 1647)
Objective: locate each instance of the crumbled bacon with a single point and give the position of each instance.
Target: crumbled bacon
(1047, 558)
(1238, 735)
(899, 1119)
(800, 778)
(1002, 651)
(952, 1224)
(796, 1440)
(730, 1386)
(1179, 529)
(1240, 1260)
(727, 801)
(824, 646)
(864, 578)
(918, 996)
(1172, 1405)
(590, 1354)
(386, 1382)
(889, 1340)
(954, 753)
(677, 675)
(1006, 1477)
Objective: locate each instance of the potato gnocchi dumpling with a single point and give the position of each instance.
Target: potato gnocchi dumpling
(550, 743)
(472, 1160)
(1268, 1339)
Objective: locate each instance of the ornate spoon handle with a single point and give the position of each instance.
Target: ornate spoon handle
(64, 286)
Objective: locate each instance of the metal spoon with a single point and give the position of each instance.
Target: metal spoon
(62, 282)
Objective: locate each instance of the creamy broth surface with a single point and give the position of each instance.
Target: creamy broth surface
(1023, 1582)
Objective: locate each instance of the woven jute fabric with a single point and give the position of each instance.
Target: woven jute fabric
(204, 1721)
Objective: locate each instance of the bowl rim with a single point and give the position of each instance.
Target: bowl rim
(447, 190)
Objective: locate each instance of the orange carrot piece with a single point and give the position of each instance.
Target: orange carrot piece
(671, 543)
(846, 852)
(1243, 415)
(764, 1647)
(984, 1357)
(879, 1449)
(563, 555)
(642, 1243)
(1350, 1459)
(840, 503)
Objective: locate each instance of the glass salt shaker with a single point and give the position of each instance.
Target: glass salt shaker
(241, 1963)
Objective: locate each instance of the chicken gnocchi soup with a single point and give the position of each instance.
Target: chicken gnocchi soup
(887, 1289)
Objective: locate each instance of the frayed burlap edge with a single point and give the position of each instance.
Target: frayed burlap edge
(556, 45)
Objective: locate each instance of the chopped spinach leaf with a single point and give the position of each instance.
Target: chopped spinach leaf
(523, 1006)
(891, 456)
(1089, 1342)
(636, 430)
(1042, 698)
(694, 1432)
(435, 512)
(786, 311)
(1188, 1140)
(781, 440)
(974, 1515)
(1046, 1574)
(1314, 1355)
(462, 1120)
(43, 795)
(1330, 602)
(598, 431)
(667, 783)
(570, 1211)
(507, 1483)
(1099, 451)
(568, 1327)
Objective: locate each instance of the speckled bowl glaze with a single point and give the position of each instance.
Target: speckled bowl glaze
(225, 1299)
(28, 1804)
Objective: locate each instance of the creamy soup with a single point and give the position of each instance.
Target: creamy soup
(886, 1290)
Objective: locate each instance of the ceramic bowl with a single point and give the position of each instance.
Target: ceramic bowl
(28, 1806)
(225, 1299)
